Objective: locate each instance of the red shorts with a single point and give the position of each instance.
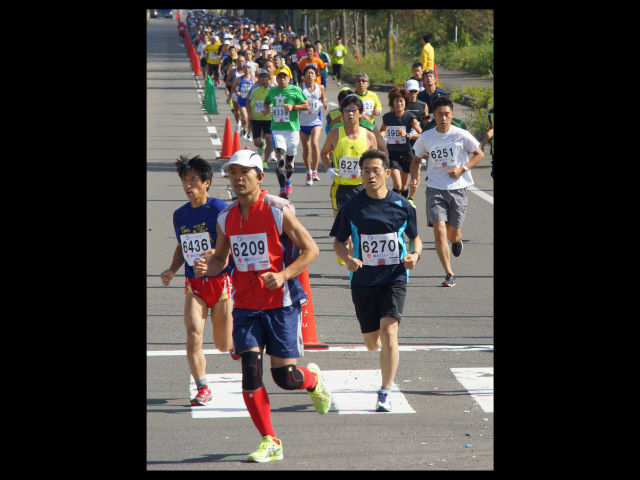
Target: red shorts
(210, 289)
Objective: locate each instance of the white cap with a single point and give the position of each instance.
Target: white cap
(264, 46)
(412, 85)
(225, 42)
(245, 158)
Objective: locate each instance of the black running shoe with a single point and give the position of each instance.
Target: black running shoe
(456, 248)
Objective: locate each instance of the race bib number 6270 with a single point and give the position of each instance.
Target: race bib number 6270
(380, 249)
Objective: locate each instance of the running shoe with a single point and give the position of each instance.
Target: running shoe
(456, 248)
(289, 186)
(238, 127)
(203, 397)
(383, 404)
(265, 165)
(449, 281)
(314, 176)
(268, 450)
(260, 150)
(309, 180)
(232, 352)
(283, 193)
(411, 202)
(339, 83)
(340, 262)
(321, 395)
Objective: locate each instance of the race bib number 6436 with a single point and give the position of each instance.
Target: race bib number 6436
(193, 245)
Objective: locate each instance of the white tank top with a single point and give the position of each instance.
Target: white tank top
(313, 116)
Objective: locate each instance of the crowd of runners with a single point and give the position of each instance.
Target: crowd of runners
(242, 259)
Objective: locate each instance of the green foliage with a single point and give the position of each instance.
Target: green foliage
(373, 65)
(477, 122)
(475, 58)
(483, 95)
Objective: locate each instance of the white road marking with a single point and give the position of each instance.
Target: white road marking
(481, 194)
(479, 382)
(353, 393)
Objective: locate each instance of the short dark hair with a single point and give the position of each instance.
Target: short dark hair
(416, 64)
(440, 100)
(344, 93)
(197, 164)
(427, 37)
(352, 98)
(375, 153)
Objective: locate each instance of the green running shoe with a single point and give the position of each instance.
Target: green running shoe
(268, 451)
(321, 395)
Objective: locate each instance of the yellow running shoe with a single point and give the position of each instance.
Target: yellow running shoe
(268, 450)
(321, 395)
(340, 262)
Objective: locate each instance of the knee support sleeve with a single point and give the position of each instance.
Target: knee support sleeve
(251, 370)
(289, 164)
(288, 377)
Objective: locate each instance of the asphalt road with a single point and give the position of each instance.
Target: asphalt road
(445, 332)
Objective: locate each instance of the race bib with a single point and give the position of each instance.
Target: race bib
(259, 106)
(244, 90)
(314, 107)
(349, 167)
(338, 53)
(279, 114)
(443, 156)
(294, 58)
(213, 56)
(368, 106)
(193, 245)
(393, 136)
(250, 252)
(380, 249)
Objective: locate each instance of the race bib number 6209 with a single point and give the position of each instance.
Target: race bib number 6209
(250, 252)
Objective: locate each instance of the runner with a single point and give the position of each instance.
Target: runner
(347, 142)
(211, 51)
(284, 102)
(400, 127)
(260, 124)
(338, 53)
(242, 86)
(194, 226)
(311, 122)
(324, 56)
(377, 220)
(312, 58)
(270, 248)
(446, 149)
(371, 102)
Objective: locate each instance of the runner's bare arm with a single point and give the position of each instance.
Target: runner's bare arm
(214, 260)
(309, 251)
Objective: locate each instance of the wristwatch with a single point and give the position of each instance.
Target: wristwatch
(465, 168)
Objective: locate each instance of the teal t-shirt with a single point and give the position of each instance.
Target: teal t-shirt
(280, 118)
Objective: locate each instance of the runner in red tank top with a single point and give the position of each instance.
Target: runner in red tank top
(270, 248)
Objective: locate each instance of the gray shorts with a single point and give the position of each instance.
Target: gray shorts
(449, 206)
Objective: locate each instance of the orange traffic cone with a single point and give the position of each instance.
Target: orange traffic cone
(227, 141)
(236, 143)
(308, 319)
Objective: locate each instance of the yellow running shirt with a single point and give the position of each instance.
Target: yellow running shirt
(347, 155)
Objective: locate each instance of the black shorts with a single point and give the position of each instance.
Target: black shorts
(377, 301)
(212, 68)
(401, 160)
(258, 126)
(203, 62)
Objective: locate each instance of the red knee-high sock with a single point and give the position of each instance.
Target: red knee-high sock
(260, 410)
(310, 378)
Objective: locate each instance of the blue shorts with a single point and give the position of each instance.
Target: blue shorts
(279, 329)
(242, 102)
(307, 130)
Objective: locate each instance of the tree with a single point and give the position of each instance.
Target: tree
(389, 62)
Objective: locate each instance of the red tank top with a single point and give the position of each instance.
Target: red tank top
(259, 245)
